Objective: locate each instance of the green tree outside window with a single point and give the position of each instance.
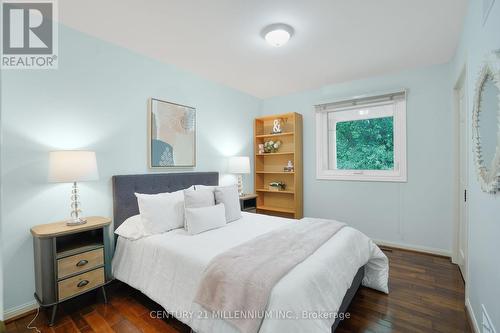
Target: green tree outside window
(365, 144)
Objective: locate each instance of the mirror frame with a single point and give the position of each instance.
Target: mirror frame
(488, 175)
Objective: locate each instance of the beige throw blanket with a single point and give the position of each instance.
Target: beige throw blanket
(237, 283)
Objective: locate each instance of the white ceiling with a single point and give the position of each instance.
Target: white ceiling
(334, 41)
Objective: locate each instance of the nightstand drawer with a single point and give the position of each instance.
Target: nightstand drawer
(79, 263)
(80, 283)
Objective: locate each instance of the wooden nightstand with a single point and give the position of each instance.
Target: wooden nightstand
(70, 260)
(248, 203)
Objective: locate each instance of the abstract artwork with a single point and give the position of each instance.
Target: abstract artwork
(172, 135)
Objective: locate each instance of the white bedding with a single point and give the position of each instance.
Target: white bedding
(168, 267)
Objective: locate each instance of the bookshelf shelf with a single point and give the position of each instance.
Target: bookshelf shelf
(271, 191)
(279, 153)
(276, 172)
(274, 135)
(277, 209)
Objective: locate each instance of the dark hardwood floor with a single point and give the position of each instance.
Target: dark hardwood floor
(426, 295)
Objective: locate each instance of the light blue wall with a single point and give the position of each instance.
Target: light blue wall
(97, 100)
(1, 250)
(417, 213)
(484, 209)
(1, 282)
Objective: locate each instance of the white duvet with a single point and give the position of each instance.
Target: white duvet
(168, 267)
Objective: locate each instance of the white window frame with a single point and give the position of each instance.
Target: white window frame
(398, 101)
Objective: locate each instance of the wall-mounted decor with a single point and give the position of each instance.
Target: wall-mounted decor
(486, 124)
(172, 135)
(487, 5)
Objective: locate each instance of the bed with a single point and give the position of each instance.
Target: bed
(168, 267)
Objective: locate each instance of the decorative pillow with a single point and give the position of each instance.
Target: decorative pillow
(161, 212)
(228, 195)
(202, 219)
(197, 199)
(132, 228)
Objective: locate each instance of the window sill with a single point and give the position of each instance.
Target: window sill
(362, 177)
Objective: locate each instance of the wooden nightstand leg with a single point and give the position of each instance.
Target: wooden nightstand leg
(53, 316)
(104, 295)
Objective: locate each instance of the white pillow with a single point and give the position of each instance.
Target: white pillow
(205, 218)
(161, 212)
(132, 228)
(205, 187)
(197, 199)
(228, 195)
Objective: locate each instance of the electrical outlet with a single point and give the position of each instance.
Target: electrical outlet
(486, 326)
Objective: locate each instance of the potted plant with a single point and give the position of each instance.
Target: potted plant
(272, 146)
(277, 186)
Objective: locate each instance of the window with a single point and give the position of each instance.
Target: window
(362, 139)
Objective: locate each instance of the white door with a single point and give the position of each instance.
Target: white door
(462, 174)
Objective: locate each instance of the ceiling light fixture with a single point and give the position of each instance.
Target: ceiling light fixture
(277, 34)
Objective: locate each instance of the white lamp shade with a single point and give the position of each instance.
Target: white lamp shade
(69, 166)
(239, 164)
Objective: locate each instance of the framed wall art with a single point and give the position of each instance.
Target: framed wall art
(172, 135)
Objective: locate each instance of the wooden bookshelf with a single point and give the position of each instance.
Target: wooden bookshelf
(269, 167)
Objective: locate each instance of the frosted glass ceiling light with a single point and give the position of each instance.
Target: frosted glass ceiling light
(277, 34)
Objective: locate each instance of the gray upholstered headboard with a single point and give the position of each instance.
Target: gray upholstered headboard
(124, 187)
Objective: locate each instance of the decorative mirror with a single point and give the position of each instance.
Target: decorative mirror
(486, 124)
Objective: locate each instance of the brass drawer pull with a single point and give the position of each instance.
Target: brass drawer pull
(82, 263)
(82, 283)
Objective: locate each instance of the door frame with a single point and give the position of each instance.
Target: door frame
(461, 83)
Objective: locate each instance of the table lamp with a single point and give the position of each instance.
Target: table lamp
(239, 165)
(72, 166)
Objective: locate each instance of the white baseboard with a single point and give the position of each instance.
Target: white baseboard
(19, 310)
(417, 248)
(468, 308)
